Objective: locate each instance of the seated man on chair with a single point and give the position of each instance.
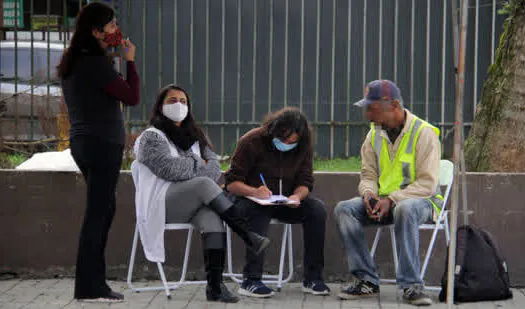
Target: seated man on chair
(277, 158)
(399, 184)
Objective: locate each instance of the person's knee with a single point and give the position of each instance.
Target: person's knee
(202, 182)
(405, 210)
(347, 207)
(318, 210)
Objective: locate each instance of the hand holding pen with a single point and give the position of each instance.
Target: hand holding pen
(262, 192)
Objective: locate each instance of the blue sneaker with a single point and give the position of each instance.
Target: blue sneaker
(316, 287)
(255, 288)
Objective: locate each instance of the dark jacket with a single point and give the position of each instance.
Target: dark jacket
(255, 154)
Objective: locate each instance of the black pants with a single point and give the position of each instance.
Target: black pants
(311, 214)
(99, 161)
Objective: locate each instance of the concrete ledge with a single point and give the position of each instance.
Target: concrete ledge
(41, 213)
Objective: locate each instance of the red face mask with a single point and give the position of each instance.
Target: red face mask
(113, 39)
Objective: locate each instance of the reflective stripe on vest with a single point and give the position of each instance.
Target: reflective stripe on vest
(399, 172)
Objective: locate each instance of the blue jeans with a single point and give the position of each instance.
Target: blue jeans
(351, 217)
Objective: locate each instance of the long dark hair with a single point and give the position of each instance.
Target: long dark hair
(286, 121)
(166, 125)
(92, 16)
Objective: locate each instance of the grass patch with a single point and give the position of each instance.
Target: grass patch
(8, 161)
(352, 164)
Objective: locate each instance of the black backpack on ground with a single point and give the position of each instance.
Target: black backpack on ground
(480, 272)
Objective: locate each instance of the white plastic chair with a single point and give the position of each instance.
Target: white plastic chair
(166, 285)
(446, 177)
(277, 279)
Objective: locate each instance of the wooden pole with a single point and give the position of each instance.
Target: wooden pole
(458, 147)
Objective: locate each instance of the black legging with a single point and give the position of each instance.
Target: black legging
(99, 161)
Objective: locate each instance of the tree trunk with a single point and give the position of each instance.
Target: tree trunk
(497, 139)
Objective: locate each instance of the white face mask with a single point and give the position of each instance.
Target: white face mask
(176, 111)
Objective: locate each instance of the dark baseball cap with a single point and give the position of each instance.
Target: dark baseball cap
(377, 90)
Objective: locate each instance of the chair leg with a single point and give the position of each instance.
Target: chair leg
(376, 242)
(394, 248)
(132, 258)
(163, 279)
(429, 251)
(186, 256)
(281, 259)
(230, 274)
(290, 254)
(447, 229)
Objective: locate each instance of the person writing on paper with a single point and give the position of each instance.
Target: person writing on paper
(277, 158)
(176, 162)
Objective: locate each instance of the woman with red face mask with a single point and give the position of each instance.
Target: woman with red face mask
(93, 90)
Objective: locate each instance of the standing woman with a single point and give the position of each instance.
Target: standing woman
(93, 90)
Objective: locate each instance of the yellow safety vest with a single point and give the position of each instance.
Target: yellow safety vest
(398, 173)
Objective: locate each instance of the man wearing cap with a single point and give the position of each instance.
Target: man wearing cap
(399, 184)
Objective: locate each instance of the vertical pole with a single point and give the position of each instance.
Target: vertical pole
(223, 76)
(348, 67)
(458, 149)
(427, 63)
(443, 71)
(239, 36)
(332, 86)
(301, 58)
(476, 42)
(412, 40)
(32, 53)
(254, 60)
(286, 12)
(318, 55)
(270, 59)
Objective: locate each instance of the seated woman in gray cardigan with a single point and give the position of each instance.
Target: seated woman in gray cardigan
(174, 154)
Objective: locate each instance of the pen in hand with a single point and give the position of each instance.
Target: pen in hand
(262, 179)
(263, 190)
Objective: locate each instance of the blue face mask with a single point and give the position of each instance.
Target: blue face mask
(282, 146)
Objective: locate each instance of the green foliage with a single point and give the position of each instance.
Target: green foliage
(9, 161)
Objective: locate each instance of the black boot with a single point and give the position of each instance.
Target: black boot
(231, 214)
(214, 255)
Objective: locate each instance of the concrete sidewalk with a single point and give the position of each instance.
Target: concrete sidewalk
(58, 293)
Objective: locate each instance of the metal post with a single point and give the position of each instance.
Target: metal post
(223, 61)
(427, 63)
(332, 85)
(476, 40)
(396, 30)
(348, 67)
(207, 61)
(32, 100)
(16, 72)
(286, 12)
(48, 13)
(412, 33)
(239, 37)
(443, 72)
(317, 59)
(159, 52)
(270, 59)
(457, 149)
(254, 60)
(143, 80)
(301, 58)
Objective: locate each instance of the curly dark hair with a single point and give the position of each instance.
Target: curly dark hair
(285, 122)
